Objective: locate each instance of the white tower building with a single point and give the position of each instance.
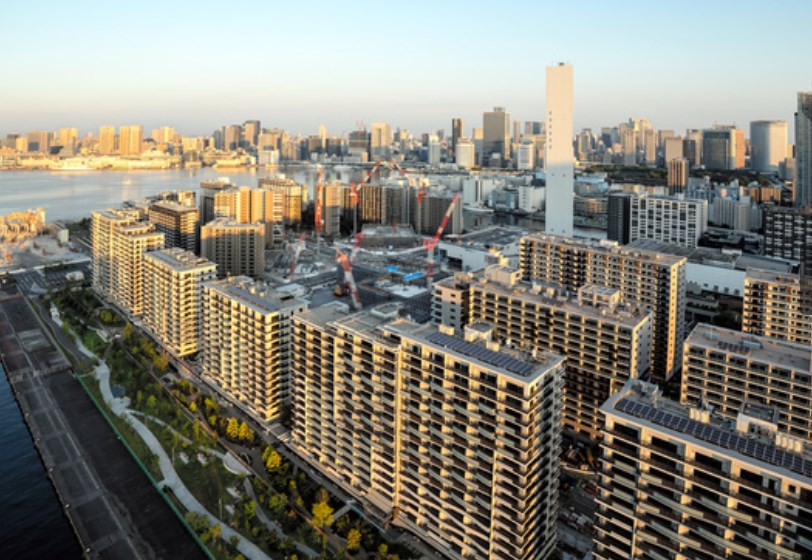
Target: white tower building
(559, 156)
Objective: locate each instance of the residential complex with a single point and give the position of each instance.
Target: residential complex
(660, 218)
(681, 482)
(726, 369)
(778, 305)
(103, 227)
(238, 249)
(246, 343)
(247, 206)
(173, 297)
(651, 280)
(293, 196)
(788, 234)
(178, 222)
(445, 433)
(604, 342)
(803, 149)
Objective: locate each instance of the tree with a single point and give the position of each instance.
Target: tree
(277, 503)
(245, 434)
(322, 495)
(250, 509)
(353, 540)
(383, 551)
(128, 331)
(273, 460)
(322, 515)
(161, 362)
(233, 429)
(151, 403)
(216, 532)
(197, 522)
(193, 407)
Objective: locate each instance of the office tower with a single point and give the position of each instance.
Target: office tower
(628, 145)
(652, 280)
(558, 157)
(517, 131)
(803, 149)
(268, 141)
(670, 220)
(21, 144)
(380, 141)
(232, 137)
(178, 222)
(246, 343)
(533, 128)
(448, 435)
(103, 225)
(672, 148)
(358, 144)
(786, 231)
(293, 195)
(238, 249)
(130, 139)
(465, 153)
(68, 138)
(727, 369)
(163, 135)
(677, 175)
(681, 482)
(39, 141)
(130, 244)
(650, 147)
(323, 136)
(768, 145)
(173, 297)
(495, 135)
(526, 156)
(723, 147)
(457, 132)
(251, 130)
(208, 190)
(544, 317)
(619, 217)
(777, 305)
(434, 151)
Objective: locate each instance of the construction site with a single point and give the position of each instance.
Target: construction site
(27, 241)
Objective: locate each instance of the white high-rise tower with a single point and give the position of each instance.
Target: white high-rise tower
(558, 157)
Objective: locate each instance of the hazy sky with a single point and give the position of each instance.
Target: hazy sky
(414, 64)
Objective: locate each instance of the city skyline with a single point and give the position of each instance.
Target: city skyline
(193, 81)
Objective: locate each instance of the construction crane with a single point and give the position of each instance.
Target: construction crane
(356, 246)
(297, 250)
(319, 221)
(430, 244)
(344, 260)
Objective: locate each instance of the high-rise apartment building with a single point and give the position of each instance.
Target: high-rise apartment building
(380, 141)
(680, 482)
(103, 226)
(727, 369)
(173, 297)
(444, 433)
(293, 196)
(768, 145)
(130, 244)
(68, 139)
(546, 318)
(672, 148)
(246, 343)
(788, 234)
(232, 137)
(778, 305)
(107, 140)
(803, 149)
(130, 140)
(619, 216)
(652, 280)
(432, 209)
(178, 222)
(671, 220)
(251, 205)
(238, 249)
(558, 159)
(496, 135)
(251, 130)
(332, 208)
(208, 189)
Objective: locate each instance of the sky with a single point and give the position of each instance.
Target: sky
(296, 64)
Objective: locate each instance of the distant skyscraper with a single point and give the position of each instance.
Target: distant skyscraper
(496, 134)
(559, 155)
(456, 133)
(677, 175)
(464, 153)
(380, 140)
(803, 149)
(251, 130)
(619, 214)
(39, 141)
(723, 147)
(232, 137)
(768, 145)
(130, 139)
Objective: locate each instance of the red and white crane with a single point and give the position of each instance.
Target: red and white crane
(297, 250)
(318, 220)
(430, 244)
(344, 260)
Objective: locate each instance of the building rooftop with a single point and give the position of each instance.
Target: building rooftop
(478, 347)
(173, 206)
(642, 403)
(777, 277)
(256, 295)
(180, 260)
(230, 223)
(748, 346)
(716, 257)
(605, 246)
(484, 239)
(556, 297)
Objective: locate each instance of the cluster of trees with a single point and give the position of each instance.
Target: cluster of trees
(230, 427)
(212, 535)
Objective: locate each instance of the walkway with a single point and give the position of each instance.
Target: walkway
(171, 479)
